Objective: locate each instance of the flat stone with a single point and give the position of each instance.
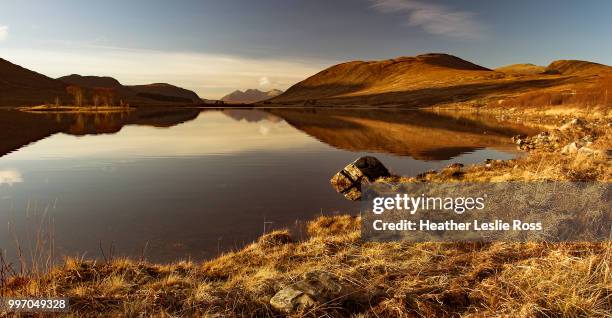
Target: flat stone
(289, 300)
(317, 287)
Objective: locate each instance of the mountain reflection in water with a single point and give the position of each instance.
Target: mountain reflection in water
(191, 182)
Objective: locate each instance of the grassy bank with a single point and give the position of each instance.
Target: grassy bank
(380, 279)
(385, 279)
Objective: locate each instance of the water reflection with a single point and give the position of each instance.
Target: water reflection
(420, 135)
(188, 183)
(10, 177)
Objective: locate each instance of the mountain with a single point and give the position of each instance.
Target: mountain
(521, 69)
(166, 92)
(438, 79)
(153, 93)
(250, 96)
(576, 67)
(359, 78)
(20, 86)
(91, 81)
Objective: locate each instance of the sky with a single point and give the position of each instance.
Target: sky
(216, 47)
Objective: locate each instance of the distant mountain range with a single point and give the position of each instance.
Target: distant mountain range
(250, 96)
(20, 86)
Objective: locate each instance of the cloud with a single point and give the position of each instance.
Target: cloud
(209, 75)
(3, 32)
(434, 18)
(264, 81)
(10, 177)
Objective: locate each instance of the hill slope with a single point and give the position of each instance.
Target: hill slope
(360, 78)
(441, 80)
(518, 69)
(158, 92)
(250, 96)
(20, 86)
(576, 67)
(166, 92)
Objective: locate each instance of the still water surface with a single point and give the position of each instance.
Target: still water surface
(172, 185)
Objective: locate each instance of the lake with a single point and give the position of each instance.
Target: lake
(172, 184)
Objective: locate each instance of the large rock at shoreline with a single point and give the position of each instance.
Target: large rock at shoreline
(363, 170)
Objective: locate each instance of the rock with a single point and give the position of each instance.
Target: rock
(519, 139)
(571, 148)
(289, 300)
(363, 170)
(317, 287)
(576, 123)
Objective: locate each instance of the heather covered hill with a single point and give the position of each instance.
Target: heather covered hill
(20, 86)
(575, 67)
(433, 80)
(359, 78)
(166, 92)
(250, 96)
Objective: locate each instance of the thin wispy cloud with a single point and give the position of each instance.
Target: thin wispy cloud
(435, 18)
(264, 81)
(3, 32)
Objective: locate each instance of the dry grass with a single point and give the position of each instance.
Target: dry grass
(597, 94)
(394, 279)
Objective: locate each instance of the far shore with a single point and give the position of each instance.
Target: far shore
(75, 109)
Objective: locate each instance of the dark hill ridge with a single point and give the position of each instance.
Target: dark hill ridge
(161, 91)
(91, 81)
(158, 92)
(20, 86)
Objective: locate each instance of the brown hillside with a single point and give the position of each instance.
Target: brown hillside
(575, 67)
(20, 86)
(165, 92)
(360, 78)
(441, 80)
(521, 69)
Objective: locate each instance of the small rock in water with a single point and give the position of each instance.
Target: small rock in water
(363, 170)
